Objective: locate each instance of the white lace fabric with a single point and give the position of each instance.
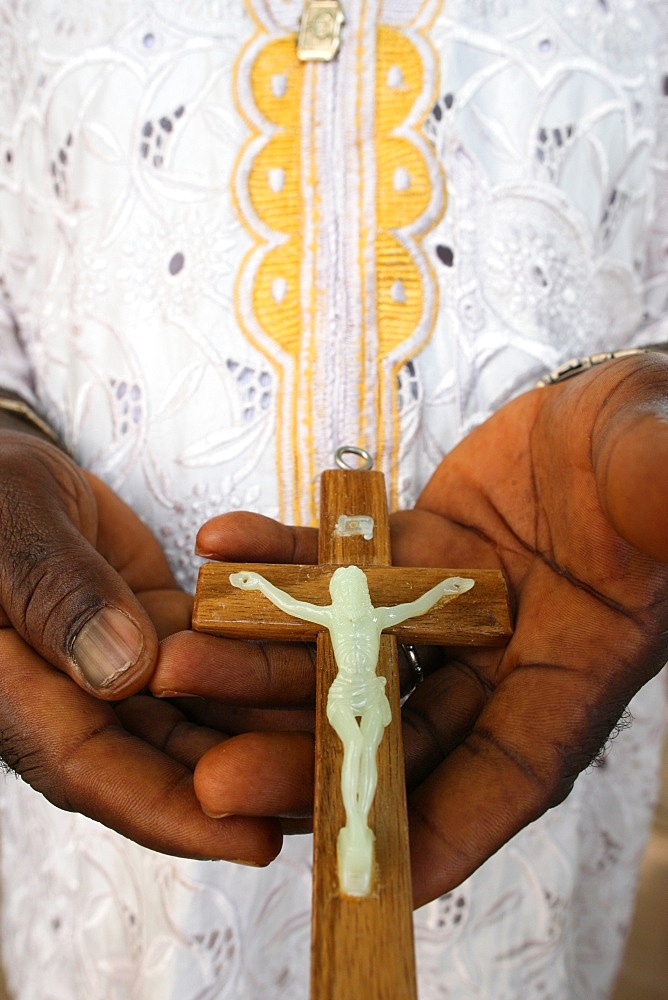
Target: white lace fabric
(203, 351)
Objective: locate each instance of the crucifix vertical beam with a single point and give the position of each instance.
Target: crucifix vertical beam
(350, 933)
(361, 946)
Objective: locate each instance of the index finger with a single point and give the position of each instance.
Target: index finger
(240, 673)
(243, 536)
(71, 747)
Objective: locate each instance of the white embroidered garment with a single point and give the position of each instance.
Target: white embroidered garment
(216, 266)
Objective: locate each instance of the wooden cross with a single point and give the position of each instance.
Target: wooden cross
(360, 947)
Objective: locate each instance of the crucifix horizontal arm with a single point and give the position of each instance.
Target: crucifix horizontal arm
(478, 618)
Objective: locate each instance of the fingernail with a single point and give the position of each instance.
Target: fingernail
(215, 815)
(177, 694)
(236, 861)
(203, 553)
(107, 645)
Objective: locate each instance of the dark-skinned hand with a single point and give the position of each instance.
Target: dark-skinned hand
(85, 596)
(565, 489)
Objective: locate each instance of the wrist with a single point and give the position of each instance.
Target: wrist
(576, 366)
(17, 415)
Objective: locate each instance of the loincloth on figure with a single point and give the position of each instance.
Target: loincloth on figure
(358, 694)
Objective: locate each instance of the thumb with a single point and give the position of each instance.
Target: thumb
(59, 593)
(631, 462)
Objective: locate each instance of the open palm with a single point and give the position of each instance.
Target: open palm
(554, 490)
(565, 490)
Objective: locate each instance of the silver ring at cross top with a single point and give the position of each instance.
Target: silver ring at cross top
(365, 463)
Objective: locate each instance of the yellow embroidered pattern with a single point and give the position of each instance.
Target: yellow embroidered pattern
(274, 191)
(404, 189)
(382, 193)
(410, 200)
(269, 199)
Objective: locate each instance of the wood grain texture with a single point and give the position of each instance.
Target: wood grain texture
(353, 493)
(480, 617)
(362, 948)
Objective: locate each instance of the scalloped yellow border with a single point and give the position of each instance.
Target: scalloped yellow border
(276, 297)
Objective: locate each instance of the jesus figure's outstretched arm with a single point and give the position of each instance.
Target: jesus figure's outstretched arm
(452, 587)
(247, 580)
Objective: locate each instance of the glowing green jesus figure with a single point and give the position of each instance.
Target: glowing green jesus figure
(357, 693)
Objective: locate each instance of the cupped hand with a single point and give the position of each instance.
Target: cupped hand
(565, 490)
(85, 596)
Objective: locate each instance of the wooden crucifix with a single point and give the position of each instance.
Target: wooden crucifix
(360, 945)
